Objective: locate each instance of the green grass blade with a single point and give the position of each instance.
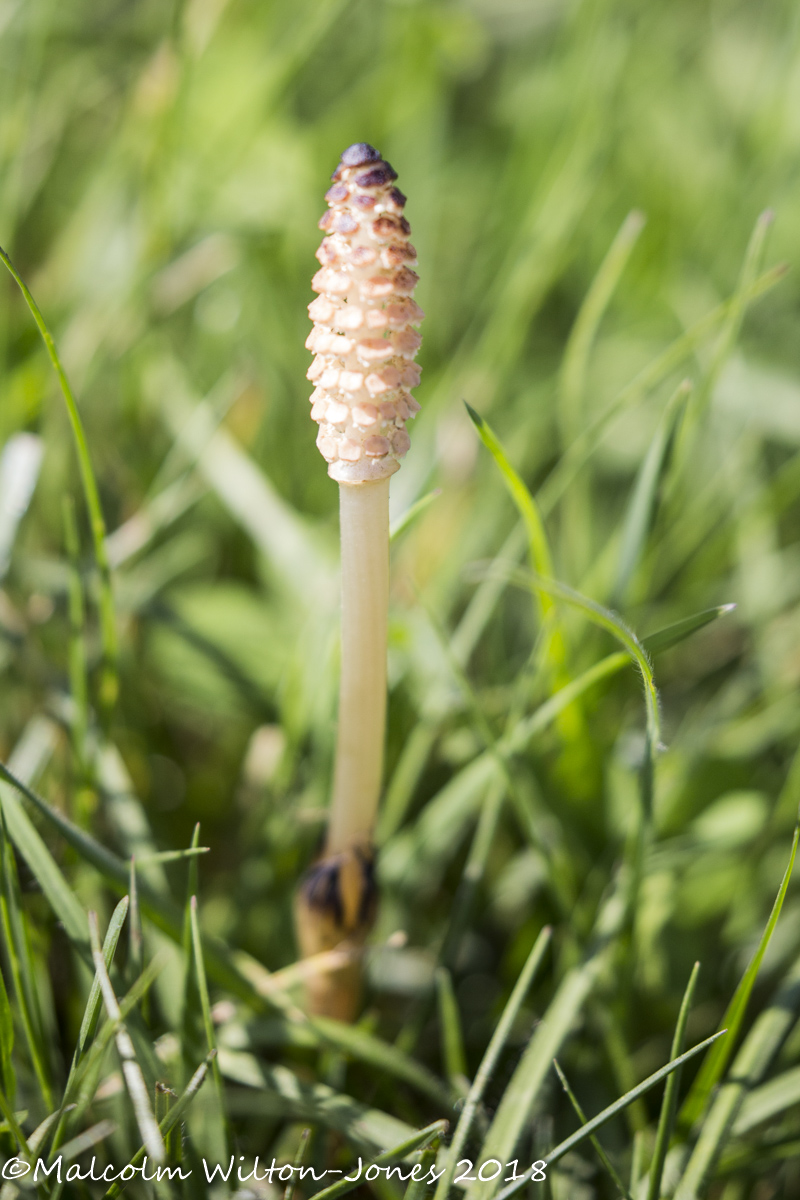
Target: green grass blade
(671, 635)
(77, 650)
(654, 643)
(768, 1101)
(410, 515)
(205, 1008)
(538, 546)
(750, 1065)
(734, 317)
(8, 1081)
(91, 1016)
(381, 1055)
(516, 1105)
(135, 946)
(167, 856)
(452, 1037)
(19, 958)
(489, 1060)
(42, 864)
(598, 1149)
(417, 1188)
(669, 1105)
(641, 509)
(416, 1142)
(109, 686)
(13, 1124)
(660, 368)
(92, 1011)
(519, 1096)
(84, 1141)
(299, 1160)
(86, 1076)
(584, 331)
(612, 1110)
(276, 1091)
(615, 625)
(714, 1065)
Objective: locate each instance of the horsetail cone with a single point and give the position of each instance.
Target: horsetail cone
(364, 340)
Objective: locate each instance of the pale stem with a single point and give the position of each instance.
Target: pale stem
(364, 527)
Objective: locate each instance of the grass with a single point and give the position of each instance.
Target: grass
(586, 187)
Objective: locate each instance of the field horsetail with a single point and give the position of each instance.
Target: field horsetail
(364, 341)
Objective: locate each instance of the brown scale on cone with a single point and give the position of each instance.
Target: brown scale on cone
(364, 340)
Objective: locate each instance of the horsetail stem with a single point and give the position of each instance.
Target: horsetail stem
(364, 342)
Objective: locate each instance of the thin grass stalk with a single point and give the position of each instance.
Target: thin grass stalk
(598, 1149)
(109, 685)
(77, 649)
(669, 1105)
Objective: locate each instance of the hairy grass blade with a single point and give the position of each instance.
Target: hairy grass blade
(671, 635)
(614, 624)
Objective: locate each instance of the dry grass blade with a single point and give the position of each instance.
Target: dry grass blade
(171, 1120)
(132, 1072)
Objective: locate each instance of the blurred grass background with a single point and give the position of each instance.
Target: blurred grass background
(163, 167)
